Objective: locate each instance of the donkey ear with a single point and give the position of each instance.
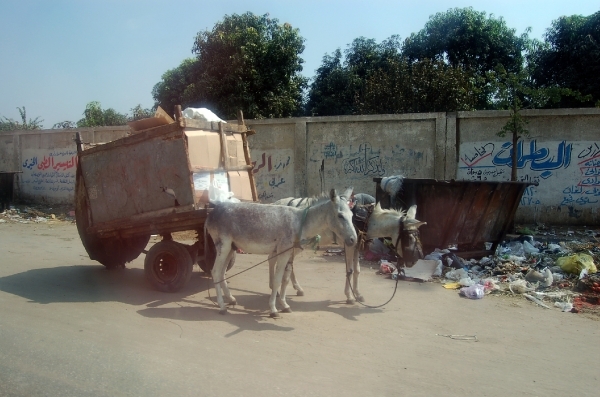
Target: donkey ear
(377, 207)
(347, 194)
(332, 194)
(412, 212)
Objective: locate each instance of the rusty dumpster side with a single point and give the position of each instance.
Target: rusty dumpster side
(463, 214)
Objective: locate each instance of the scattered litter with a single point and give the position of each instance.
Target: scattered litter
(536, 300)
(451, 285)
(576, 263)
(422, 270)
(386, 267)
(460, 337)
(564, 306)
(475, 291)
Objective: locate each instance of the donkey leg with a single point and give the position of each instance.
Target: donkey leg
(356, 274)
(277, 280)
(272, 263)
(296, 285)
(348, 258)
(289, 269)
(218, 274)
(230, 298)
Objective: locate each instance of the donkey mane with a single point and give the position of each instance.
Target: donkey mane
(389, 211)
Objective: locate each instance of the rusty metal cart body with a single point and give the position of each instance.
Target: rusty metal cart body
(156, 182)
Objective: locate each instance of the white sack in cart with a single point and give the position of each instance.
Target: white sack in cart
(201, 114)
(217, 194)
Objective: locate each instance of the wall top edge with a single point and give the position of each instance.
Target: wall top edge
(477, 114)
(70, 130)
(357, 118)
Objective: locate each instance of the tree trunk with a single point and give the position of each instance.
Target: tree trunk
(515, 139)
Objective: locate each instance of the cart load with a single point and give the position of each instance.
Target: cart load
(157, 181)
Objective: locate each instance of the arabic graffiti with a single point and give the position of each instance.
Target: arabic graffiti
(272, 174)
(587, 190)
(365, 161)
(567, 173)
(528, 198)
(51, 173)
(538, 159)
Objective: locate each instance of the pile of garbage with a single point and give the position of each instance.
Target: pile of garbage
(34, 214)
(561, 275)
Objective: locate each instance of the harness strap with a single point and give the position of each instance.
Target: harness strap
(313, 241)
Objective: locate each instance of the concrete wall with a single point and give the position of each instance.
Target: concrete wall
(305, 156)
(46, 160)
(326, 152)
(561, 154)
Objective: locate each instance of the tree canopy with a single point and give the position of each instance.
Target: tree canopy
(376, 78)
(245, 62)
(570, 58)
(463, 37)
(7, 124)
(95, 116)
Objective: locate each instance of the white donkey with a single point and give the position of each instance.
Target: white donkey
(400, 226)
(273, 230)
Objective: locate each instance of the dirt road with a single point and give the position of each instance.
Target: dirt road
(69, 327)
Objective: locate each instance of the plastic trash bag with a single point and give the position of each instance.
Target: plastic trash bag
(530, 249)
(576, 263)
(475, 291)
(216, 194)
(519, 287)
(456, 274)
(386, 267)
(564, 306)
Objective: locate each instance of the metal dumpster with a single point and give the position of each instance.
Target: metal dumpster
(461, 214)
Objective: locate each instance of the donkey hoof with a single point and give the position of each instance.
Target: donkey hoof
(300, 292)
(360, 298)
(286, 310)
(223, 311)
(349, 301)
(232, 302)
(274, 315)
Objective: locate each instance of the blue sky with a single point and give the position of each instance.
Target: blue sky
(56, 56)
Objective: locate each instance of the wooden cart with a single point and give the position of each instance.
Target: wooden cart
(155, 182)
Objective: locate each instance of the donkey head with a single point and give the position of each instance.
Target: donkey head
(339, 218)
(409, 244)
(403, 229)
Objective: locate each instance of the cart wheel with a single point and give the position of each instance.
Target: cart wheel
(209, 259)
(168, 266)
(112, 252)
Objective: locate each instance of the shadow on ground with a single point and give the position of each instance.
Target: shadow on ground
(94, 284)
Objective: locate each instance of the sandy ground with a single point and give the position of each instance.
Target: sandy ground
(70, 327)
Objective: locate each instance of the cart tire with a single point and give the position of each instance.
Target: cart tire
(209, 259)
(168, 266)
(112, 252)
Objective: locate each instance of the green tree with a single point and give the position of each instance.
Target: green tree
(515, 92)
(463, 37)
(245, 62)
(333, 90)
(176, 86)
(7, 124)
(423, 86)
(339, 85)
(376, 78)
(94, 116)
(570, 58)
(138, 113)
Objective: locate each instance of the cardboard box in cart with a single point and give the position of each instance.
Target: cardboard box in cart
(131, 178)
